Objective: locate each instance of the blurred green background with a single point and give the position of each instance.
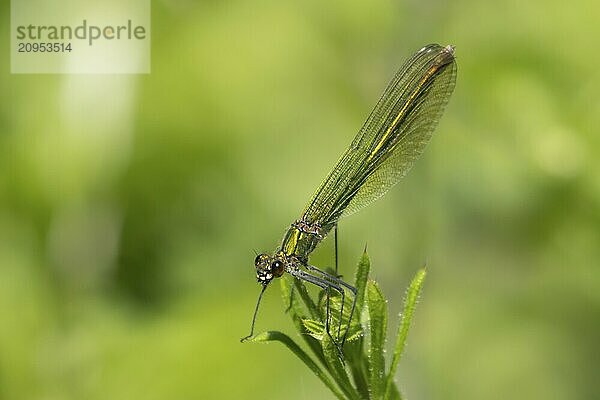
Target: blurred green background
(130, 205)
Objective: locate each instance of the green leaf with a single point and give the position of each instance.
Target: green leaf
(378, 321)
(270, 336)
(410, 301)
(359, 365)
(314, 328)
(362, 274)
(336, 368)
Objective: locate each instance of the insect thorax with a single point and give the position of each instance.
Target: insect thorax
(301, 239)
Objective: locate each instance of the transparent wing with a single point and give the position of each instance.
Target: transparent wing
(391, 139)
(413, 135)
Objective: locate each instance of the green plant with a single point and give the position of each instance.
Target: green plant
(362, 374)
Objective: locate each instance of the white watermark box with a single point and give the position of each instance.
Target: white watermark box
(80, 36)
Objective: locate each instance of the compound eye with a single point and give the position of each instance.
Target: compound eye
(260, 259)
(277, 268)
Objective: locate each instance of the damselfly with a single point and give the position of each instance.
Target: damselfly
(392, 138)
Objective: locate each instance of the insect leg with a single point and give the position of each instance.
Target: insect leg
(331, 278)
(340, 282)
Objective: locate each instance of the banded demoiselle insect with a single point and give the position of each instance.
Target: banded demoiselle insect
(393, 137)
